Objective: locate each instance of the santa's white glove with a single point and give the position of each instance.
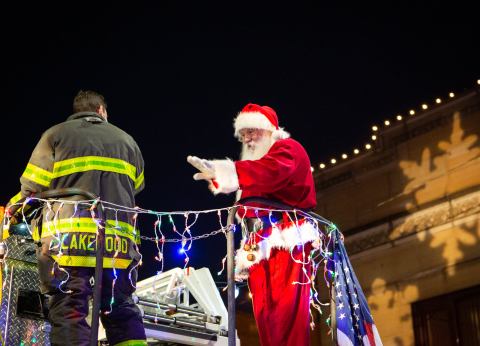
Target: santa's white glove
(220, 174)
(206, 168)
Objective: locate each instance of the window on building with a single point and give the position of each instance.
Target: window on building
(451, 319)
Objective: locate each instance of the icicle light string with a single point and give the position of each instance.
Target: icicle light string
(139, 263)
(158, 226)
(63, 282)
(187, 230)
(24, 219)
(186, 238)
(117, 245)
(220, 222)
(170, 214)
(137, 210)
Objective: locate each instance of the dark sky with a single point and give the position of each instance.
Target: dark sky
(174, 76)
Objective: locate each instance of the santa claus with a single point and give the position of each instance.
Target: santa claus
(274, 255)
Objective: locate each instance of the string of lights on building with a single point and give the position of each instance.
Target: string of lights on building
(376, 129)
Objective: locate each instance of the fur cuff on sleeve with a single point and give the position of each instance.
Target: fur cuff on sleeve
(226, 178)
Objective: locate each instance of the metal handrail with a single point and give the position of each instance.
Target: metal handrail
(59, 193)
(231, 276)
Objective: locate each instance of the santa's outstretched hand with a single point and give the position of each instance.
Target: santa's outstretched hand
(220, 174)
(207, 171)
(204, 166)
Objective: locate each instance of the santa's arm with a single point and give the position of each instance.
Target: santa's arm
(220, 174)
(270, 173)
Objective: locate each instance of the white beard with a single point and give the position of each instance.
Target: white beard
(256, 150)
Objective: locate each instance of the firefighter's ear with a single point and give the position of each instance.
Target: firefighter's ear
(103, 112)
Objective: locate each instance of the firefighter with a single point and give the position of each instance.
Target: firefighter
(89, 153)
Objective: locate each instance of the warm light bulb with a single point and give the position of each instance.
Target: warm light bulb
(356, 151)
(387, 123)
(438, 100)
(333, 161)
(344, 156)
(312, 169)
(424, 106)
(368, 146)
(399, 117)
(374, 128)
(411, 112)
(478, 81)
(451, 94)
(250, 295)
(322, 165)
(374, 137)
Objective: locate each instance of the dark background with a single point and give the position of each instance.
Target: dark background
(176, 74)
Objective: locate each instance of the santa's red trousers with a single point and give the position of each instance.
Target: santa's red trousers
(281, 308)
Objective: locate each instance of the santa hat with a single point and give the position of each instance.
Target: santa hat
(253, 116)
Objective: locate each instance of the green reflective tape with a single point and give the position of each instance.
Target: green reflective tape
(132, 343)
(139, 181)
(15, 198)
(91, 163)
(87, 225)
(38, 175)
(90, 261)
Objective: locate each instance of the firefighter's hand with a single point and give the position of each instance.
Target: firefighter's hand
(206, 168)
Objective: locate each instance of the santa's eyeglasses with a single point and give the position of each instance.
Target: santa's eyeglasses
(254, 134)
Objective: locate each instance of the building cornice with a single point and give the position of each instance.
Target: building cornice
(397, 229)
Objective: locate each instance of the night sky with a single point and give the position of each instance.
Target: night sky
(174, 77)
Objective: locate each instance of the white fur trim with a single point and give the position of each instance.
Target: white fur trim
(252, 120)
(225, 176)
(280, 134)
(280, 239)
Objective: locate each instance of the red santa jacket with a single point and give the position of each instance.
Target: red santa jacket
(283, 174)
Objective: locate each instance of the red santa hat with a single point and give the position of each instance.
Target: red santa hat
(254, 116)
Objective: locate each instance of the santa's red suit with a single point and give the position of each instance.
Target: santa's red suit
(278, 272)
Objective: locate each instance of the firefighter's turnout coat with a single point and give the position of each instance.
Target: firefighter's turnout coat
(88, 153)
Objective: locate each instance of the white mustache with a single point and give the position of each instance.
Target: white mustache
(256, 150)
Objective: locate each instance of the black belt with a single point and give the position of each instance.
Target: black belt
(253, 224)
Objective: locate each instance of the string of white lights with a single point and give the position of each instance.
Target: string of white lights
(309, 260)
(387, 123)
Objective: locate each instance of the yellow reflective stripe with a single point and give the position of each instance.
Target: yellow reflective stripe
(5, 233)
(139, 180)
(38, 175)
(16, 198)
(35, 235)
(90, 261)
(91, 163)
(87, 225)
(132, 343)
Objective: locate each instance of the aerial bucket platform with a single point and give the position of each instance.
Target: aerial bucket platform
(182, 305)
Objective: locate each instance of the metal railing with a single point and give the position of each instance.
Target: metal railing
(69, 192)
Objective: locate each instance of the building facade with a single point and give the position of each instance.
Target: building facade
(409, 209)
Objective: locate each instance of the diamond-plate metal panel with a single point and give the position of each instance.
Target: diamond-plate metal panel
(20, 274)
(21, 248)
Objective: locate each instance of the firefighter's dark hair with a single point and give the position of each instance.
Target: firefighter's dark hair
(88, 101)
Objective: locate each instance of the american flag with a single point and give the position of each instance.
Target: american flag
(352, 322)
